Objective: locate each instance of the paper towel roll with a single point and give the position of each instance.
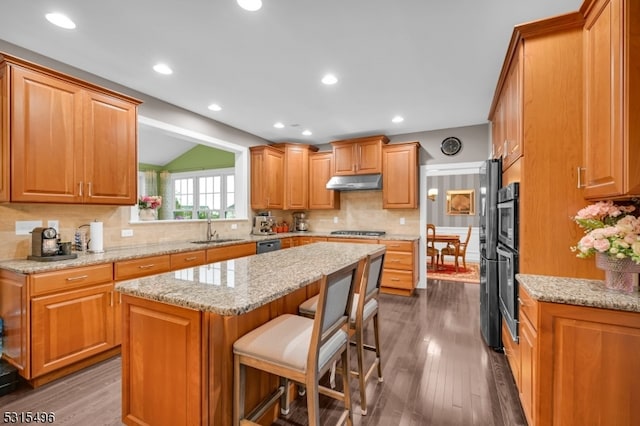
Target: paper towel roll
(96, 242)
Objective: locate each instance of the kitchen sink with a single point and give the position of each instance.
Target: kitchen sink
(216, 240)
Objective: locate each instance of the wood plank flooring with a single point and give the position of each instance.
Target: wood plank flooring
(437, 371)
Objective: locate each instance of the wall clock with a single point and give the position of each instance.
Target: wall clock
(451, 146)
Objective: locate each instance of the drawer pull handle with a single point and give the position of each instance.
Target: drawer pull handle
(189, 259)
(81, 277)
(395, 279)
(146, 266)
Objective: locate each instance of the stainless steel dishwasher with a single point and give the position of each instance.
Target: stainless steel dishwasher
(267, 246)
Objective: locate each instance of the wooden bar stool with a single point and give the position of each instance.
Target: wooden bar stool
(300, 349)
(364, 310)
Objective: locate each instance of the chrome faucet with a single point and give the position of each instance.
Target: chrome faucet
(210, 234)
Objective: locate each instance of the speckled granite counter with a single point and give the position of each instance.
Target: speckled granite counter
(237, 286)
(24, 266)
(575, 291)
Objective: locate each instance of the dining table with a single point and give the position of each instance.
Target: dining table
(448, 239)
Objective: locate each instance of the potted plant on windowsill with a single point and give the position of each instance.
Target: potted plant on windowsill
(148, 206)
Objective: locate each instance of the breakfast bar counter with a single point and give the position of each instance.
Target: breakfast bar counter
(179, 328)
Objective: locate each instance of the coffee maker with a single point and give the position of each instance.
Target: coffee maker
(300, 223)
(263, 225)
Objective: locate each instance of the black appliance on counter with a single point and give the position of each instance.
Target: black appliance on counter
(360, 233)
(508, 255)
(490, 317)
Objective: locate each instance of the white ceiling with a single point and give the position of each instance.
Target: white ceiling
(434, 62)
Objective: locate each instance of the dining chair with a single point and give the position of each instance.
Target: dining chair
(363, 311)
(432, 251)
(458, 252)
(300, 349)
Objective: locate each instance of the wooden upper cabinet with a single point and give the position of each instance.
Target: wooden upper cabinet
(612, 73)
(296, 175)
(358, 156)
(267, 177)
(110, 135)
(5, 160)
(67, 138)
(400, 176)
(320, 171)
(507, 141)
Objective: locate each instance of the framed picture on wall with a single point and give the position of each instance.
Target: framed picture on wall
(461, 202)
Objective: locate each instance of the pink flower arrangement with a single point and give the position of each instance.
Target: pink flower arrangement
(609, 228)
(150, 202)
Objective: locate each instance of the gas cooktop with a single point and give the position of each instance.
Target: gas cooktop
(362, 233)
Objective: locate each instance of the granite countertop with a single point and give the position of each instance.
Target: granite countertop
(234, 287)
(24, 266)
(576, 291)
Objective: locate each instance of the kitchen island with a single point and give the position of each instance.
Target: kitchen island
(179, 329)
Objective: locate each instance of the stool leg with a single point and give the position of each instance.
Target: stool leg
(313, 400)
(376, 335)
(346, 375)
(284, 399)
(362, 379)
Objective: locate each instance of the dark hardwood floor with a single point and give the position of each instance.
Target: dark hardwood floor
(437, 371)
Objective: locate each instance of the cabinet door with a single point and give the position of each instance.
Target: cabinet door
(296, 178)
(267, 178)
(527, 389)
(604, 126)
(320, 169)
(400, 176)
(5, 160)
(110, 142)
(513, 147)
(70, 326)
(46, 138)
(498, 129)
(369, 157)
(344, 159)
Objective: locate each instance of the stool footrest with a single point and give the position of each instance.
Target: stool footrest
(262, 408)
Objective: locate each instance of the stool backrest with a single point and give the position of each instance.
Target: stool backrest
(334, 305)
(373, 273)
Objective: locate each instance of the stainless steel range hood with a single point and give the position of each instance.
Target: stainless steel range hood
(355, 183)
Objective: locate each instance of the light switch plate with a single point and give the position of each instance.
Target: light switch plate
(126, 233)
(335, 219)
(55, 224)
(24, 227)
(402, 221)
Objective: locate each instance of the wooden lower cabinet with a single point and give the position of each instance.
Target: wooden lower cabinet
(400, 269)
(218, 254)
(69, 326)
(578, 365)
(138, 268)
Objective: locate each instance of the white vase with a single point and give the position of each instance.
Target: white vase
(148, 214)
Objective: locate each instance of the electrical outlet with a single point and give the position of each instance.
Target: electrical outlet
(55, 224)
(335, 219)
(24, 227)
(234, 226)
(126, 233)
(402, 221)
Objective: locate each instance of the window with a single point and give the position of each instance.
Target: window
(197, 193)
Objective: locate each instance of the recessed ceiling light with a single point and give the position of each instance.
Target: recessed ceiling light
(397, 119)
(307, 132)
(329, 79)
(250, 5)
(162, 69)
(214, 107)
(278, 125)
(60, 20)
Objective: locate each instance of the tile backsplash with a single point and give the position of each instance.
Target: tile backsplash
(359, 210)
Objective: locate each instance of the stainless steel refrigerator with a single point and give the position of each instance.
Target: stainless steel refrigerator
(490, 317)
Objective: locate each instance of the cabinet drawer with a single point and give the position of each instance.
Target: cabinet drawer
(398, 260)
(71, 278)
(398, 245)
(528, 307)
(219, 254)
(397, 279)
(512, 352)
(187, 260)
(351, 240)
(129, 269)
